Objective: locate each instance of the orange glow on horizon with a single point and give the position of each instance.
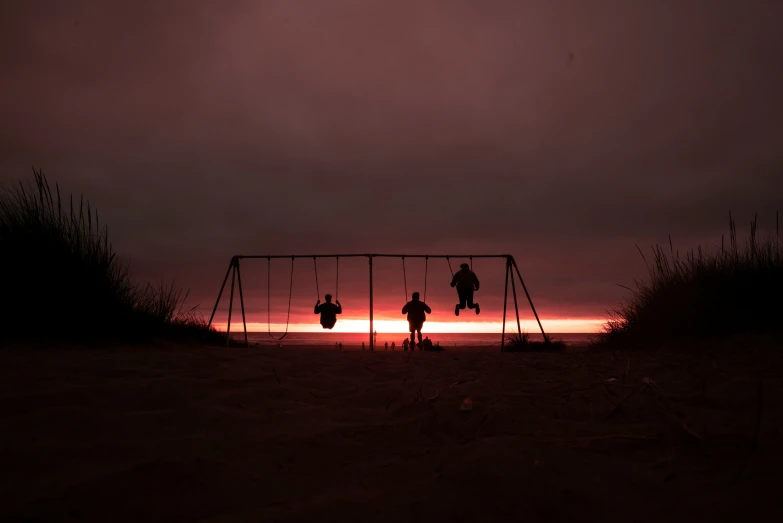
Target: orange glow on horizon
(387, 326)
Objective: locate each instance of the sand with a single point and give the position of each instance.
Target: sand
(173, 433)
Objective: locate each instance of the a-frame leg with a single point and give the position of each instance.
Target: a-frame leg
(505, 302)
(231, 300)
(242, 302)
(528, 298)
(516, 306)
(228, 271)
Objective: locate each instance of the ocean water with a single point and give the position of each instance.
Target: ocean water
(356, 339)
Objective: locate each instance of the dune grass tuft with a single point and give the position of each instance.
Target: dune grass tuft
(61, 277)
(708, 294)
(516, 342)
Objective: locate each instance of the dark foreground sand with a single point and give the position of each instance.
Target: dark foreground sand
(195, 434)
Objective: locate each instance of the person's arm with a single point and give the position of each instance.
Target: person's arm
(317, 309)
(405, 309)
(454, 280)
(475, 281)
(339, 307)
(427, 309)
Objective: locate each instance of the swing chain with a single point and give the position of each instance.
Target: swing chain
(317, 290)
(269, 299)
(426, 262)
(336, 280)
(405, 279)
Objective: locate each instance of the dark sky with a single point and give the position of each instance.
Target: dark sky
(561, 131)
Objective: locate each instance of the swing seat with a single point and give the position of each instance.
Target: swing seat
(328, 323)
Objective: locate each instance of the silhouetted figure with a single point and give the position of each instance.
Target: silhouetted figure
(427, 345)
(328, 311)
(392, 345)
(362, 345)
(417, 314)
(466, 282)
(405, 344)
(386, 346)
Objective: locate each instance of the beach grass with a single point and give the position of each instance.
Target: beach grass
(729, 290)
(61, 276)
(517, 342)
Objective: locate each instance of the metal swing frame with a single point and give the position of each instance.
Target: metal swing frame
(511, 269)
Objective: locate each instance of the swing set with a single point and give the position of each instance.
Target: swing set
(233, 269)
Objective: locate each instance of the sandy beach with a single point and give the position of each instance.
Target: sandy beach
(170, 433)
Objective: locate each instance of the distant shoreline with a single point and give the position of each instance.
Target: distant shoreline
(355, 339)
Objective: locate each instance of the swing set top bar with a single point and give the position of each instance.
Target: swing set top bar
(242, 256)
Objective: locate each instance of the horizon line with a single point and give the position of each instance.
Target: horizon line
(359, 326)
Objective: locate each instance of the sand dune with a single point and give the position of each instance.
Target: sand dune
(266, 434)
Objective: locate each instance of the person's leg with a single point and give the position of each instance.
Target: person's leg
(471, 305)
(469, 299)
(412, 328)
(418, 333)
(462, 302)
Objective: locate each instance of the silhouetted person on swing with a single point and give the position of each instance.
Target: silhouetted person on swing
(328, 311)
(466, 282)
(417, 313)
